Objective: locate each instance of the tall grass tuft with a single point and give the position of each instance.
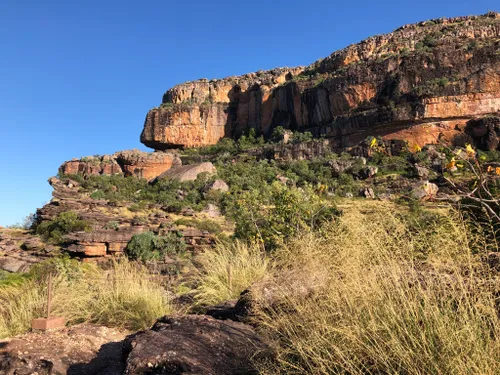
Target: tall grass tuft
(124, 296)
(394, 298)
(228, 270)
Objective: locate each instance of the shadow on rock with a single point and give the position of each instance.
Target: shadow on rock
(109, 361)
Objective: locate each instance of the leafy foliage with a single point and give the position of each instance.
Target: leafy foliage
(66, 222)
(149, 246)
(277, 212)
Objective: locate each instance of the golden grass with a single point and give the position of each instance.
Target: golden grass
(364, 300)
(124, 296)
(228, 270)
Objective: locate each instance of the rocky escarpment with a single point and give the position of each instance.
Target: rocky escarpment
(417, 83)
(126, 163)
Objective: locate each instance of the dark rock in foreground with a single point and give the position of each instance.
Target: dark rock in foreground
(192, 345)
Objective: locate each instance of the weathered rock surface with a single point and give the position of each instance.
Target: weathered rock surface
(194, 345)
(217, 185)
(425, 190)
(20, 250)
(484, 132)
(126, 163)
(417, 83)
(189, 172)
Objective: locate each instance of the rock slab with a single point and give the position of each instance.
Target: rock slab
(194, 345)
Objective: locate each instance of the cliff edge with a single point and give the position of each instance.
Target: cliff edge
(420, 82)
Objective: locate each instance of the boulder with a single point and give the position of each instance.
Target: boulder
(148, 165)
(421, 172)
(217, 185)
(194, 345)
(368, 193)
(33, 244)
(339, 166)
(14, 264)
(424, 190)
(189, 172)
(284, 180)
(212, 211)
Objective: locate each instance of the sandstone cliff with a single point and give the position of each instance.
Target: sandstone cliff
(417, 83)
(126, 163)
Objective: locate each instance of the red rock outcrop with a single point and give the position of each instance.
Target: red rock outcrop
(148, 165)
(420, 82)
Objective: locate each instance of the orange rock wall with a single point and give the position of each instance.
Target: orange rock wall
(419, 81)
(126, 163)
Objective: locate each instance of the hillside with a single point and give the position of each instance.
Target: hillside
(340, 218)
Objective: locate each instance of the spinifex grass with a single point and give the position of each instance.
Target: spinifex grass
(382, 307)
(123, 296)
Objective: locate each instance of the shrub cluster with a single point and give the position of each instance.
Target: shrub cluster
(66, 222)
(149, 246)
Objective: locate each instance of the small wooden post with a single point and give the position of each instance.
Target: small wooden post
(49, 296)
(50, 322)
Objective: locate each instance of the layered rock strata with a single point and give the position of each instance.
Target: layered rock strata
(418, 83)
(126, 163)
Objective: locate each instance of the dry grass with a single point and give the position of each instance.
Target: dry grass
(124, 296)
(382, 299)
(228, 270)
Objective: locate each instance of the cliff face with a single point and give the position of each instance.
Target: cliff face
(417, 83)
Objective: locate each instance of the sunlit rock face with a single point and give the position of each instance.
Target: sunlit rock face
(418, 83)
(147, 165)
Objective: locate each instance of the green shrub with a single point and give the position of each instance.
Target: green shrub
(148, 246)
(98, 194)
(66, 222)
(115, 225)
(299, 137)
(277, 212)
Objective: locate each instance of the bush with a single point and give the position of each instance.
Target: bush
(66, 222)
(123, 296)
(357, 301)
(228, 270)
(148, 246)
(277, 212)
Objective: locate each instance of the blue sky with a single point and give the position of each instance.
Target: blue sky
(77, 77)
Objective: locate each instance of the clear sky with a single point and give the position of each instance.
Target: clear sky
(77, 77)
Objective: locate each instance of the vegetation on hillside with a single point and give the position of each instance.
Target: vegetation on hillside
(361, 299)
(340, 286)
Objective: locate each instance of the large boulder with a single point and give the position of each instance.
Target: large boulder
(189, 172)
(148, 165)
(194, 345)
